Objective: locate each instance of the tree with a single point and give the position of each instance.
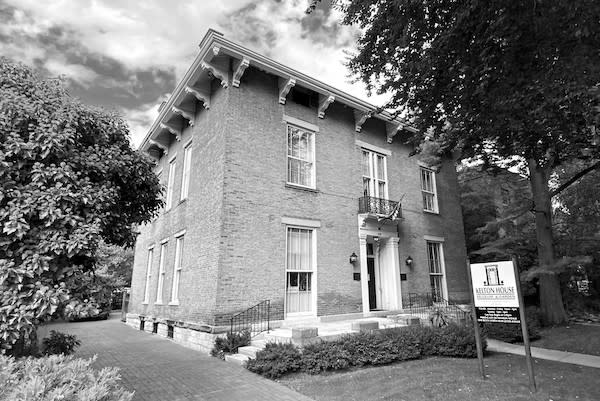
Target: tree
(512, 82)
(69, 179)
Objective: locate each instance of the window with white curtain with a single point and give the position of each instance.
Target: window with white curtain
(148, 275)
(374, 174)
(299, 270)
(300, 156)
(187, 163)
(161, 273)
(177, 270)
(436, 270)
(170, 184)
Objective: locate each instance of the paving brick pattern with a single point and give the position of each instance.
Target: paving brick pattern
(159, 369)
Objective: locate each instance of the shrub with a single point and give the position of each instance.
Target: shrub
(60, 343)
(511, 332)
(319, 357)
(275, 360)
(377, 348)
(230, 343)
(58, 377)
(439, 318)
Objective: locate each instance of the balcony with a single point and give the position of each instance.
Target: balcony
(378, 207)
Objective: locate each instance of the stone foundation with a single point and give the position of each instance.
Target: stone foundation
(198, 337)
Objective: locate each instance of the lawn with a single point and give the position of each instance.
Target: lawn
(580, 338)
(453, 379)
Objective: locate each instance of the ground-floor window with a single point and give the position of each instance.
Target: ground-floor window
(436, 270)
(300, 264)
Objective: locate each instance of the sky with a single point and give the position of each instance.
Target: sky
(128, 55)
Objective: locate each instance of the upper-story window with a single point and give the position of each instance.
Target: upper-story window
(170, 184)
(374, 174)
(187, 164)
(300, 156)
(428, 189)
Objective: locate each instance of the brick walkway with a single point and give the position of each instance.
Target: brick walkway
(159, 369)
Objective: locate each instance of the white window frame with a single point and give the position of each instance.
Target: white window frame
(177, 267)
(311, 160)
(313, 311)
(161, 273)
(187, 164)
(373, 176)
(426, 192)
(442, 265)
(148, 275)
(171, 183)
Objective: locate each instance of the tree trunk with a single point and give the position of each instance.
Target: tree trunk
(552, 309)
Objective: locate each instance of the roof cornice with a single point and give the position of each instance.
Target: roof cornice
(215, 43)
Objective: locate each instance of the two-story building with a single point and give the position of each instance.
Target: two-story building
(280, 187)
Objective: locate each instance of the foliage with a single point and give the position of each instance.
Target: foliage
(512, 83)
(69, 178)
(58, 377)
(511, 332)
(276, 360)
(60, 343)
(439, 318)
(230, 343)
(376, 348)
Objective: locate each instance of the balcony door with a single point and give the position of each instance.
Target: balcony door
(374, 174)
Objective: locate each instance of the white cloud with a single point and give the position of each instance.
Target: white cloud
(140, 119)
(77, 72)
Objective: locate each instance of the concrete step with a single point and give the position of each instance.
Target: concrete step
(237, 358)
(260, 343)
(249, 351)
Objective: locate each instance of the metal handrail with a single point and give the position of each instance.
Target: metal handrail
(255, 319)
(420, 305)
(379, 206)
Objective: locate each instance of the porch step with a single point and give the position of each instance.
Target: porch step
(237, 358)
(249, 350)
(259, 343)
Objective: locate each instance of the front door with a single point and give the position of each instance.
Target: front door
(372, 287)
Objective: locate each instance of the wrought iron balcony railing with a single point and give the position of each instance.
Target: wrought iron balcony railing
(379, 206)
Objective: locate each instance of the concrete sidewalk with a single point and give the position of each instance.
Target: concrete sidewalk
(544, 353)
(159, 369)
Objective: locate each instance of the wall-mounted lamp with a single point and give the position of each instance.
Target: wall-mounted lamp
(409, 261)
(353, 258)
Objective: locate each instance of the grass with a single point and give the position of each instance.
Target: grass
(574, 338)
(452, 379)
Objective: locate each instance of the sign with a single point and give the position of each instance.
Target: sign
(495, 292)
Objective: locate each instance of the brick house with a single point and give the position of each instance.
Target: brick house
(274, 182)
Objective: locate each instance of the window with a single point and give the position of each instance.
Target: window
(170, 184)
(428, 189)
(148, 275)
(436, 270)
(374, 174)
(300, 264)
(177, 270)
(161, 273)
(300, 156)
(187, 163)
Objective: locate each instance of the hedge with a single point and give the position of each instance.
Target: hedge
(376, 348)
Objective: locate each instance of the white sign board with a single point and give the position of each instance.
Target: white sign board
(495, 292)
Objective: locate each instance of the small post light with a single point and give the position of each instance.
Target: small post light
(409, 261)
(353, 258)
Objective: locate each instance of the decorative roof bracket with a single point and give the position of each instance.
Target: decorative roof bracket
(239, 71)
(360, 117)
(392, 130)
(159, 145)
(285, 88)
(216, 72)
(324, 102)
(172, 130)
(187, 114)
(202, 95)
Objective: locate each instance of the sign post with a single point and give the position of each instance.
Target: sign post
(476, 326)
(496, 295)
